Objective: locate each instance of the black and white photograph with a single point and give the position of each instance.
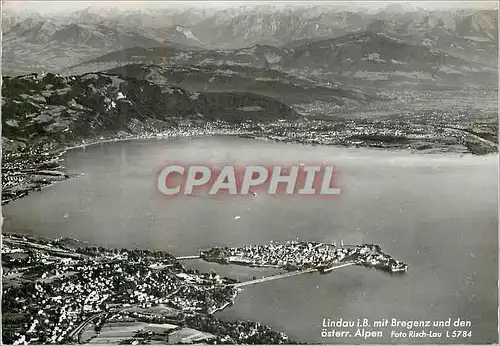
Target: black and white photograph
(249, 172)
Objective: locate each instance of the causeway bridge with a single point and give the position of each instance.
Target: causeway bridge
(286, 275)
(187, 257)
(275, 277)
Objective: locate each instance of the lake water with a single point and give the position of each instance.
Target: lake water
(438, 213)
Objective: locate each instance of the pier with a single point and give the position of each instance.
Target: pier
(286, 275)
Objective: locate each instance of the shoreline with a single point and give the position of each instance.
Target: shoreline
(57, 155)
(408, 151)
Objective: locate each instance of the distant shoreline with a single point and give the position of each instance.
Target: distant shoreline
(58, 153)
(264, 139)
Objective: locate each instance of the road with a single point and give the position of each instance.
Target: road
(82, 325)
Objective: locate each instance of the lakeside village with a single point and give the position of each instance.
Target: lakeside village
(86, 294)
(30, 166)
(58, 291)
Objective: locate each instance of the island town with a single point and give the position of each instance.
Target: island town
(299, 255)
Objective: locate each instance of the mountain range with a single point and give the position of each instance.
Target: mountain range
(41, 43)
(137, 70)
(356, 58)
(92, 74)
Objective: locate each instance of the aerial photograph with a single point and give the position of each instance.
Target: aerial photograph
(258, 172)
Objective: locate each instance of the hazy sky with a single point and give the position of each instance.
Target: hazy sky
(68, 6)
